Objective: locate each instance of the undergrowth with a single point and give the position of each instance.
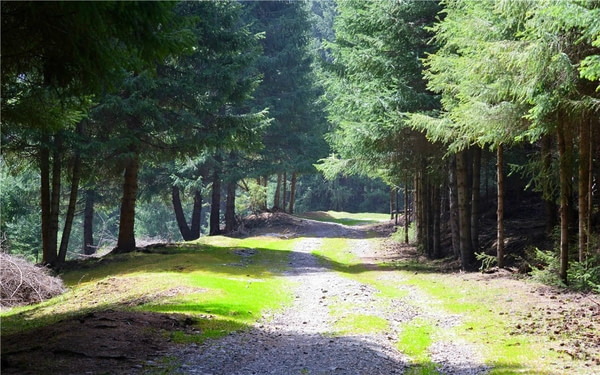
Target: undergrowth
(581, 276)
(399, 234)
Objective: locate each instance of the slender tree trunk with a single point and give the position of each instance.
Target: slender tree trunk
(196, 215)
(428, 209)
(406, 212)
(262, 181)
(55, 199)
(393, 207)
(70, 214)
(436, 234)
(48, 256)
(564, 202)
(420, 214)
(230, 207)
(549, 200)
(397, 204)
(293, 192)
(284, 195)
(467, 255)
(500, 207)
(453, 207)
(215, 205)
(277, 197)
(184, 229)
(591, 178)
(126, 239)
(475, 197)
(416, 212)
(88, 223)
(583, 182)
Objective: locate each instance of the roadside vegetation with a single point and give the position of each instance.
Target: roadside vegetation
(517, 324)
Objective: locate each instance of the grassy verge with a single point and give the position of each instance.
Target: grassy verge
(225, 284)
(484, 310)
(485, 313)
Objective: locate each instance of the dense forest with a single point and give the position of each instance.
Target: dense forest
(125, 122)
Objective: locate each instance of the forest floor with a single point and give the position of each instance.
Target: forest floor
(338, 323)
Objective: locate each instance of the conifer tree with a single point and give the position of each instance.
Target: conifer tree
(293, 141)
(508, 73)
(374, 80)
(187, 107)
(55, 57)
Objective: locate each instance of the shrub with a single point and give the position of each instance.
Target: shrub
(545, 267)
(582, 276)
(585, 276)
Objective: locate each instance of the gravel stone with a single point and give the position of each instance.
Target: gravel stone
(303, 339)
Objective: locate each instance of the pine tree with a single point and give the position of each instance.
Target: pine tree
(293, 141)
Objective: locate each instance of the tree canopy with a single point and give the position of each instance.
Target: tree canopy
(243, 99)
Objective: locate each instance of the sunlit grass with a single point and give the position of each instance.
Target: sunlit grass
(485, 321)
(360, 324)
(346, 218)
(337, 253)
(484, 312)
(225, 283)
(414, 341)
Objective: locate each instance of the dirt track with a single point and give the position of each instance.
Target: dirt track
(304, 339)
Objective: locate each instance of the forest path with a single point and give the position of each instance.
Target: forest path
(314, 335)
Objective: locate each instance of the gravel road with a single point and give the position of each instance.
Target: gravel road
(304, 339)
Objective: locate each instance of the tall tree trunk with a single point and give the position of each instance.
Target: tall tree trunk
(467, 254)
(420, 214)
(500, 206)
(284, 193)
(277, 197)
(564, 202)
(428, 209)
(55, 198)
(230, 207)
(182, 224)
(549, 199)
(453, 207)
(88, 223)
(406, 211)
(583, 189)
(48, 256)
(397, 204)
(475, 197)
(126, 239)
(70, 214)
(416, 212)
(293, 192)
(436, 234)
(393, 208)
(215, 203)
(262, 181)
(196, 215)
